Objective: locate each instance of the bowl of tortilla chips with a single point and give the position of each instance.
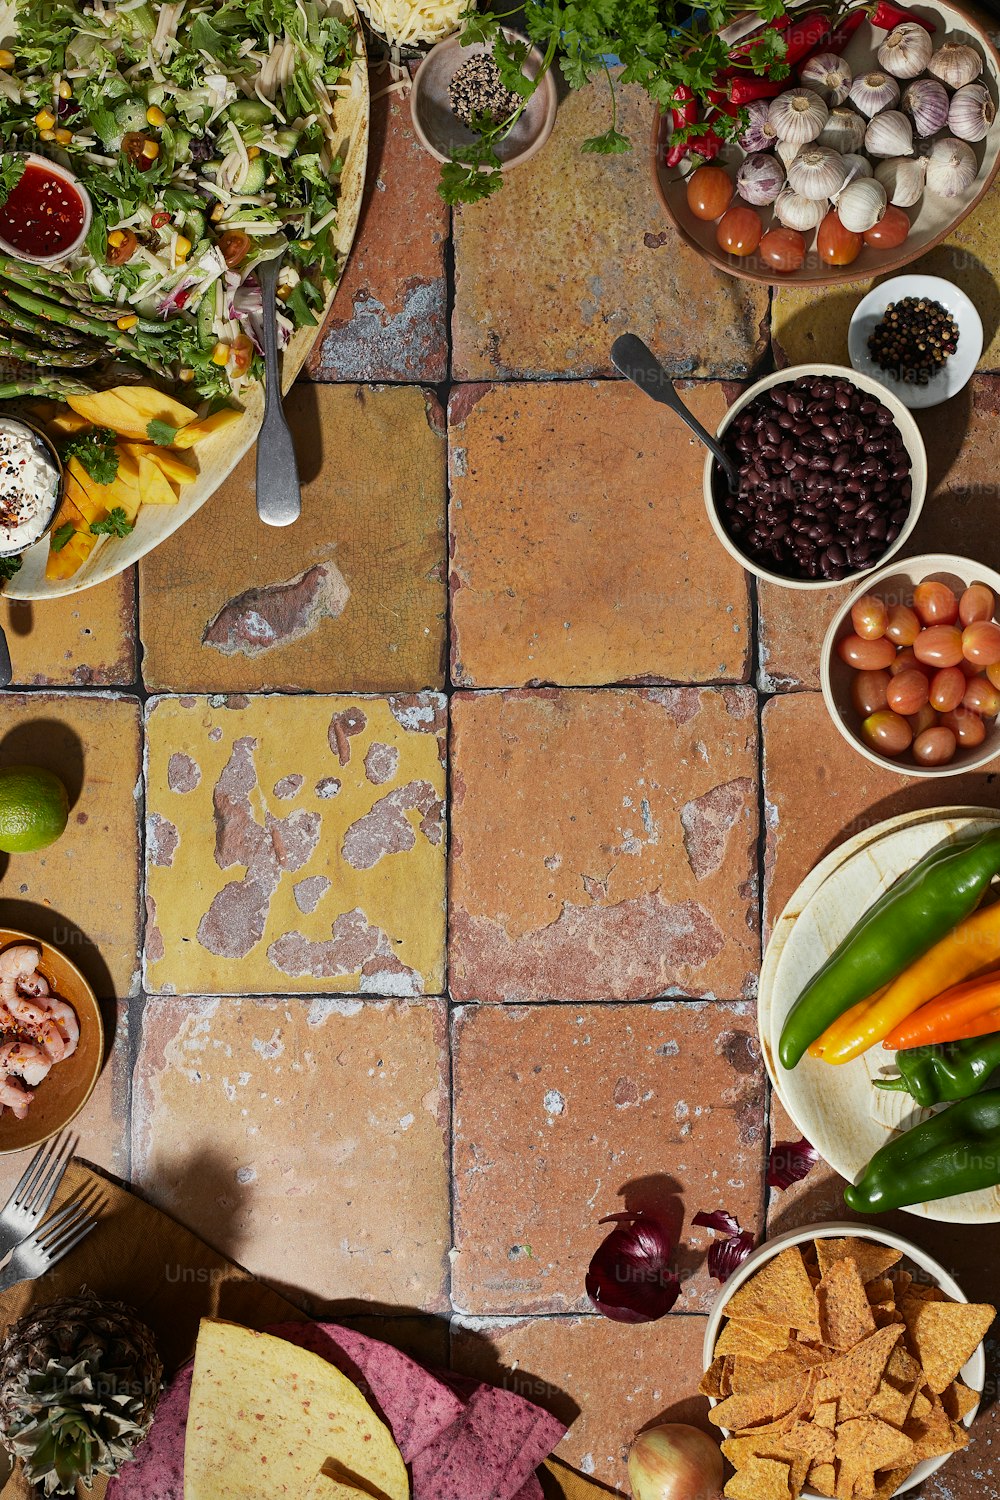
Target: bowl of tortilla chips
(841, 1362)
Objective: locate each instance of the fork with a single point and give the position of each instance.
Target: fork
(61, 1233)
(30, 1200)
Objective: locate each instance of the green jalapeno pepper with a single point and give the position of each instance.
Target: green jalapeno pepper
(951, 1070)
(956, 1151)
(914, 914)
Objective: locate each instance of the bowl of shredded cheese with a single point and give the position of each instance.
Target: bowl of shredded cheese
(406, 28)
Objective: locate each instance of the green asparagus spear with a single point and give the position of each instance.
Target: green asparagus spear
(55, 359)
(67, 293)
(13, 319)
(57, 312)
(59, 388)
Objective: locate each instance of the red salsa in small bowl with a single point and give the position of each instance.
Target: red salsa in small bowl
(46, 213)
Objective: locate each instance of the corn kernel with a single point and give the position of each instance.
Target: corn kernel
(217, 213)
(182, 249)
(45, 119)
(155, 116)
(46, 135)
(116, 238)
(220, 354)
(64, 137)
(6, 59)
(253, 151)
(150, 150)
(186, 375)
(283, 293)
(65, 89)
(127, 320)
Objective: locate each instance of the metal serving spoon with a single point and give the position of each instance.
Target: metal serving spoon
(279, 497)
(638, 362)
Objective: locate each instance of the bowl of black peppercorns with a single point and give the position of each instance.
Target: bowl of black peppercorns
(919, 336)
(832, 474)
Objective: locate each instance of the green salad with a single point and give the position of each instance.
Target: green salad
(204, 135)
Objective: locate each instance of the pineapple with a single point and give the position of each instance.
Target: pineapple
(79, 1379)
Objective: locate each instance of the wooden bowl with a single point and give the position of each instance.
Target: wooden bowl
(895, 584)
(60, 1097)
(932, 219)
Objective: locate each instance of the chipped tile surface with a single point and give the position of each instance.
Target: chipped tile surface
(279, 857)
(565, 1114)
(350, 598)
(222, 1089)
(622, 823)
(579, 542)
(85, 640)
(576, 250)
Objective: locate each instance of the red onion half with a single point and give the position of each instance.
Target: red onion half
(629, 1279)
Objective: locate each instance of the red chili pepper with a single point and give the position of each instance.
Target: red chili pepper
(683, 107)
(744, 90)
(159, 219)
(838, 40)
(675, 155)
(886, 16)
(780, 23)
(801, 38)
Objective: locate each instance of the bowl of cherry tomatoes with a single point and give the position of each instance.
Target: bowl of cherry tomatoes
(910, 666)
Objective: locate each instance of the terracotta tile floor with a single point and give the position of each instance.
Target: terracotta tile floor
(430, 927)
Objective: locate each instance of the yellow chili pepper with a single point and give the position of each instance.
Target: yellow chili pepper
(970, 949)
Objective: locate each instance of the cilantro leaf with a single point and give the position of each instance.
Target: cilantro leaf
(611, 143)
(61, 536)
(11, 172)
(161, 433)
(8, 567)
(115, 523)
(98, 452)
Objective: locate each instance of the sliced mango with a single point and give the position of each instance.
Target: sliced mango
(128, 465)
(106, 409)
(154, 486)
(196, 432)
(67, 561)
(67, 424)
(174, 468)
(69, 512)
(123, 491)
(152, 405)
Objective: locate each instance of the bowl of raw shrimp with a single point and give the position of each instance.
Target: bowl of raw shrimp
(51, 1040)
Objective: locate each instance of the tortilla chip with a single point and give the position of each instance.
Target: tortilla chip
(711, 1382)
(928, 1292)
(845, 1317)
(726, 1378)
(902, 1279)
(882, 1289)
(871, 1260)
(856, 1374)
(865, 1445)
(885, 1313)
(750, 1372)
(826, 1414)
(889, 1483)
(944, 1335)
(958, 1400)
(812, 1440)
(823, 1479)
(760, 1479)
(934, 1434)
(736, 1338)
(753, 1408)
(780, 1292)
(890, 1404)
(922, 1404)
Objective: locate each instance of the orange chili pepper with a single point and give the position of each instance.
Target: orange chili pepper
(966, 1010)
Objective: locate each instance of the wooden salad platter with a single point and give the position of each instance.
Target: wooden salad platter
(218, 455)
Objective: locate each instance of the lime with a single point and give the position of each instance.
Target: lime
(34, 808)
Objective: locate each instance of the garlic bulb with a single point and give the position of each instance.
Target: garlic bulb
(760, 178)
(797, 212)
(758, 134)
(787, 151)
(906, 51)
(874, 91)
(857, 166)
(889, 134)
(926, 103)
(798, 115)
(955, 64)
(971, 113)
(829, 75)
(903, 179)
(861, 204)
(951, 167)
(817, 172)
(844, 131)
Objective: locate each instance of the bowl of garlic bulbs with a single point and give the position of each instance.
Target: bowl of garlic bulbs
(868, 155)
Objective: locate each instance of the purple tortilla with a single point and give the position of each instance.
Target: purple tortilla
(492, 1452)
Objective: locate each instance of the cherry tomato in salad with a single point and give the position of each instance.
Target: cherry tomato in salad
(890, 231)
(134, 147)
(836, 245)
(783, 249)
(120, 253)
(241, 354)
(739, 231)
(709, 192)
(234, 246)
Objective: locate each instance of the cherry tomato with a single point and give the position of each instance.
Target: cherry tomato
(709, 192)
(783, 249)
(866, 656)
(981, 643)
(739, 231)
(982, 697)
(234, 246)
(906, 662)
(133, 146)
(924, 718)
(903, 626)
(947, 689)
(967, 727)
(869, 617)
(868, 692)
(886, 732)
(119, 254)
(977, 603)
(935, 747)
(242, 354)
(939, 646)
(993, 673)
(908, 692)
(935, 603)
(890, 231)
(836, 245)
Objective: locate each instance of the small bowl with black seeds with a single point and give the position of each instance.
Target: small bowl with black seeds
(919, 336)
(832, 476)
(456, 85)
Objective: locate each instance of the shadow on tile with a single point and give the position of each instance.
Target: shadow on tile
(48, 743)
(52, 927)
(662, 1197)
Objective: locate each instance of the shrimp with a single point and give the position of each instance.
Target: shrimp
(17, 967)
(21, 1063)
(33, 986)
(59, 1033)
(15, 1096)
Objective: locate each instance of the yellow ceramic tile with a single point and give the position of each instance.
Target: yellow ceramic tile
(295, 844)
(83, 892)
(85, 639)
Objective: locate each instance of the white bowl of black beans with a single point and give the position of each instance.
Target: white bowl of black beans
(833, 474)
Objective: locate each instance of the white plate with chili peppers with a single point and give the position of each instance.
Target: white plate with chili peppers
(896, 353)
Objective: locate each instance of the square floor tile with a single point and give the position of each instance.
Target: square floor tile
(577, 249)
(581, 552)
(389, 317)
(607, 1379)
(295, 844)
(352, 597)
(82, 640)
(83, 892)
(308, 1140)
(564, 1114)
(604, 844)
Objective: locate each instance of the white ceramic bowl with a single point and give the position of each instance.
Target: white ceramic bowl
(896, 584)
(57, 170)
(908, 430)
(957, 371)
(440, 131)
(974, 1370)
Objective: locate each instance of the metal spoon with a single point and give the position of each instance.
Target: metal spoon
(638, 362)
(6, 668)
(279, 497)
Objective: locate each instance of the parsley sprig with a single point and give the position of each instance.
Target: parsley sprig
(97, 450)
